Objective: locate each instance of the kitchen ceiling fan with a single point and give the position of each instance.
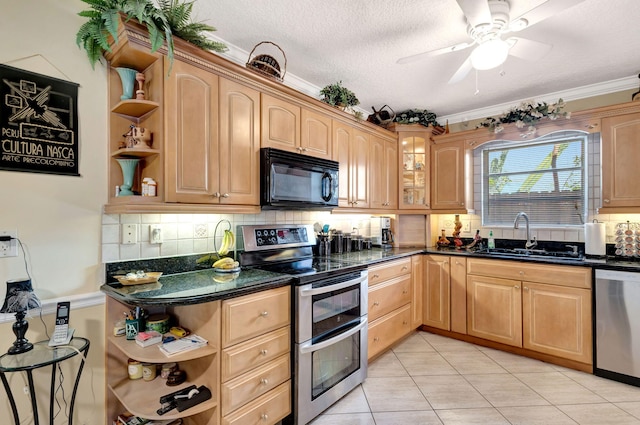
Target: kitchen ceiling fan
(487, 22)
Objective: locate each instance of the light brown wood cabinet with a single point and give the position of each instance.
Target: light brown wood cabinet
(213, 139)
(383, 174)
(620, 156)
(390, 295)
(445, 293)
(280, 124)
(414, 164)
(546, 309)
(256, 361)
(417, 290)
(351, 150)
(447, 176)
(316, 134)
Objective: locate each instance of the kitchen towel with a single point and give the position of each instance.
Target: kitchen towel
(594, 238)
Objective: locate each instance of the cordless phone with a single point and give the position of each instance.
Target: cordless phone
(62, 334)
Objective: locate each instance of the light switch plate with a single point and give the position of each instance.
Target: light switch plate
(9, 248)
(129, 234)
(155, 233)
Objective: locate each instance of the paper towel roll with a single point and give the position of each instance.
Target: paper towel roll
(595, 238)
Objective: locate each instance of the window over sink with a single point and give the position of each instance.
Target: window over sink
(545, 177)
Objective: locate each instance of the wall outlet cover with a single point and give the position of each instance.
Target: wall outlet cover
(129, 234)
(9, 248)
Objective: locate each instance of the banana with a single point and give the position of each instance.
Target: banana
(224, 247)
(232, 239)
(224, 263)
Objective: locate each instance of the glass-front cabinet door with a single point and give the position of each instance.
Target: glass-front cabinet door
(414, 166)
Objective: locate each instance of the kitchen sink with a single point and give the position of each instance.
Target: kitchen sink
(532, 253)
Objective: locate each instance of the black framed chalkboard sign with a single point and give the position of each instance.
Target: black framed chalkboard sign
(38, 123)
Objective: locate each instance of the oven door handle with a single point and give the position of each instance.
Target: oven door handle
(325, 289)
(309, 346)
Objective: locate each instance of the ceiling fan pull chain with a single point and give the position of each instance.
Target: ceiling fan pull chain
(477, 89)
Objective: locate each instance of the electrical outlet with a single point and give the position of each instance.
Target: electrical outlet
(155, 233)
(9, 248)
(466, 226)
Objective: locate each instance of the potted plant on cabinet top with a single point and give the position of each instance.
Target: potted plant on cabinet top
(337, 95)
(170, 18)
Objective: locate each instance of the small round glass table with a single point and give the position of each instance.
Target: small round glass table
(40, 356)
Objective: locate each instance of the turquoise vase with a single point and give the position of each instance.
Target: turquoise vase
(128, 78)
(128, 166)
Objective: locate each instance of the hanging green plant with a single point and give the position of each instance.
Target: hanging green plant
(172, 17)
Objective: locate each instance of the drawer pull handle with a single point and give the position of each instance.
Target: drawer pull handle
(264, 381)
(263, 352)
(264, 417)
(375, 276)
(376, 303)
(404, 322)
(376, 339)
(264, 314)
(404, 268)
(405, 291)
(521, 273)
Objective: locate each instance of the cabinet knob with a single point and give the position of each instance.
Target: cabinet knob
(264, 417)
(375, 276)
(226, 195)
(526, 288)
(404, 291)
(263, 352)
(606, 201)
(591, 126)
(355, 202)
(216, 195)
(521, 272)
(427, 205)
(404, 268)
(462, 204)
(375, 303)
(264, 314)
(404, 322)
(264, 381)
(516, 287)
(304, 149)
(376, 339)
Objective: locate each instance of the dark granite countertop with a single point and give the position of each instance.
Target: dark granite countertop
(376, 255)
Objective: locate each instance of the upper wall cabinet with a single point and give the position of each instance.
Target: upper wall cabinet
(414, 164)
(351, 150)
(620, 158)
(447, 176)
(383, 175)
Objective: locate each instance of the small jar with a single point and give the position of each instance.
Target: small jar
(149, 371)
(167, 368)
(134, 368)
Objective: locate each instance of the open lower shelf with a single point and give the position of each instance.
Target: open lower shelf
(152, 354)
(135, 152)
(134, 108)
(142, 398)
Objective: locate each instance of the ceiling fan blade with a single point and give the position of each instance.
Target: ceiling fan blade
(476, 11)
(455, 48)
(461, 72)
(530, 50)
(540, 13)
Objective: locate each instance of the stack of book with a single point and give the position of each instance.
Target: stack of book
(145, 339)
(181, 345)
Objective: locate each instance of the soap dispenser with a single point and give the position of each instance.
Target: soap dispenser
(491, 243)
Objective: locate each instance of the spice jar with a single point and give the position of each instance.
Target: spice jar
(149, 371)
(167, 368)
(135, 369)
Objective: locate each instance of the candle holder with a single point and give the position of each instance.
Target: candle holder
(140, 92)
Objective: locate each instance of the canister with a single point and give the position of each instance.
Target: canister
(167, 368)
(149, 371)
(135, 369)
(356, 243)
(347, 243)
(337, 243)
(158, 323)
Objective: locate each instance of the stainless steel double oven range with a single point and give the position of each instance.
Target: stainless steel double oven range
(329, 314)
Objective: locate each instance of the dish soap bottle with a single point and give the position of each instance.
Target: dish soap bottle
(491, 243)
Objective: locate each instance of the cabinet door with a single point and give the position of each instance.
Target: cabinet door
(413, 160)
(239, 165)
(620, 156)
(360, 169)
(191, 106)
(494, 309)
(388, 296)
(315, 138)
(436, 311)
(341, 147)
(280, 124)
(417, 290)
(447, 176)
(383, 174)
(557, 321)
(458, 289)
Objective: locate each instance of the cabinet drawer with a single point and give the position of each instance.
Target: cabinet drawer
(388, 329)
(267, 409)
(388, 296)
(574, 276)
(254, 383)
(389, 270)
(255, 352)
(254, 314)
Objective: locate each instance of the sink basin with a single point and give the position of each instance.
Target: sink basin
(532, 253)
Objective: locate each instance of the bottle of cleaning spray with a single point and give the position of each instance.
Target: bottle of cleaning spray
(491, 243)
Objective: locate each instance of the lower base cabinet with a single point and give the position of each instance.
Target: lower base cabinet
(269, 408)
(387, 330)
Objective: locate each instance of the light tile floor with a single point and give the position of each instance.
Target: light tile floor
(429, 379)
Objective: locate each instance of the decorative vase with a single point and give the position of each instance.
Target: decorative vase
(128, 78)
(128, 166)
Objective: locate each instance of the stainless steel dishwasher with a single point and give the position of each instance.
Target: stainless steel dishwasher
(617, 326)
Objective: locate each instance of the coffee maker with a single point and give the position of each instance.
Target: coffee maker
(381, 232)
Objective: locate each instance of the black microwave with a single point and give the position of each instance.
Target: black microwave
(298, 182)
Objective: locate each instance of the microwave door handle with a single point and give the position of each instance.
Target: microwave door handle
(330, 288)
(327, 187)
(309, 346)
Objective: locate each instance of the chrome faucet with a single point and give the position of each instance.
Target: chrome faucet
(530, 243)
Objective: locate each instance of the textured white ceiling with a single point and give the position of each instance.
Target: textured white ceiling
(359, 42)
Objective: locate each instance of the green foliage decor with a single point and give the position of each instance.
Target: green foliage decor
(417, 116)
(337, 95)
(169, 18)
(527, 114)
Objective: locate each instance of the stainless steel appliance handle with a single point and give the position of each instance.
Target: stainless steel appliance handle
(309, 346)
(330, 288)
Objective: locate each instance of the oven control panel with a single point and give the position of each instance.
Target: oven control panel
(261, 237)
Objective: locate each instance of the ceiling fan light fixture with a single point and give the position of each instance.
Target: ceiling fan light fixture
(489, 54)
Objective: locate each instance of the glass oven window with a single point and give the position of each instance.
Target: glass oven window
(335, 309)
(332, 364)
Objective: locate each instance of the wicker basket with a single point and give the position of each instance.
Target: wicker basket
(266, 64)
